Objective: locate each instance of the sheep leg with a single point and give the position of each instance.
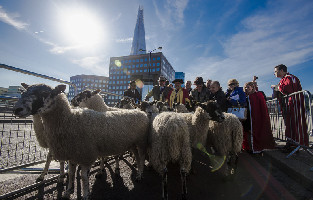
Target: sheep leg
(140, 164)
(71, 175)
(62, 172)
(85, 180)
(183, 175)
(117, 165)
(45, 170)
(164, 185)
(102, 161)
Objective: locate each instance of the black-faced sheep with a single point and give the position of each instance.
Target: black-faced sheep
(82, 135)
(226, 138)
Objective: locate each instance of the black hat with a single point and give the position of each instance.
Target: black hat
(178, 80)
(132, 81)
(162, 78)
(198, 81)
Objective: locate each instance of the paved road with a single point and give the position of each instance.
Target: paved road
(257, 178)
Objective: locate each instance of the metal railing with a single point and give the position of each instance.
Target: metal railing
(291, 118)
(18, 142)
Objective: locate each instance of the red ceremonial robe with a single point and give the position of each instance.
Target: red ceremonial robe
(261, 134)
(294, 115)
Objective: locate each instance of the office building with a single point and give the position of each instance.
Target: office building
(91, 82)
(146, 72)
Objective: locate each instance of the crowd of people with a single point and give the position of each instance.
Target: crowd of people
(256, 123)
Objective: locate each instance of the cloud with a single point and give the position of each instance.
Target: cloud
(94, 64)
(172, 14)
(279, 34)
(124, 40)
(11, 20)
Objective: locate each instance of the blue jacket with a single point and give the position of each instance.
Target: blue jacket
(237, 96)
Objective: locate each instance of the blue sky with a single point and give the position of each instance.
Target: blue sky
(219, 40)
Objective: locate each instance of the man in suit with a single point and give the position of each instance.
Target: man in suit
(132, 92)
(159, 92)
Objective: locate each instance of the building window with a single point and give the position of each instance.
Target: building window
(141, 60)
(145, 70)
(153, 58)
(158, 64)
(158, 58)
(158, 69)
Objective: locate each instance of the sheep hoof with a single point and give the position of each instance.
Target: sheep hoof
(117, 171)
(138, 178)
(39, 179)
(61, 178)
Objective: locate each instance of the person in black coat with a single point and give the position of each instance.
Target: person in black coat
(132, 92)
(218, 95)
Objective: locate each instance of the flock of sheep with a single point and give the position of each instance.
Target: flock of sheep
(93, 130)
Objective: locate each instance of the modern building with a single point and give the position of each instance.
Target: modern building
(139, 42)
(144, 69)
(91, 82)
(144, 66)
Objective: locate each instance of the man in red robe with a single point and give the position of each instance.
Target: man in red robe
(292, 107)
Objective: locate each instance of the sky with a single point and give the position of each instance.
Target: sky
(217, 40)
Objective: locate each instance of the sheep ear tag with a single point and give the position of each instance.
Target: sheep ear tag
(216, 161)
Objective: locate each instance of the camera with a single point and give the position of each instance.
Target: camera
(256, 77)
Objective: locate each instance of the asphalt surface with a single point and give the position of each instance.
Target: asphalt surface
(266, 176)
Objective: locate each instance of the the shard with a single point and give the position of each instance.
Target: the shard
(139, 41)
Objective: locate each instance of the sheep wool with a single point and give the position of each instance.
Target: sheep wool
(81, 135)
(170, 142)
(226, 136)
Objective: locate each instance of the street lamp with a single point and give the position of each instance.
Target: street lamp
(150, 52)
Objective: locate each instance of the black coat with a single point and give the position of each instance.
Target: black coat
(131, 94)
(220, 98)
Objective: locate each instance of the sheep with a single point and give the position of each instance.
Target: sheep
(170, 142)
(82, 135)
(226, 138)
(172, 136)
(42, 140)
(93, 100)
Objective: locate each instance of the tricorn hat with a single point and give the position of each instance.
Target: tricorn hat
(198, 81)
(178, 80)
(162, 78)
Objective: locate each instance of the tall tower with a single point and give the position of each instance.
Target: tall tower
(139, 41)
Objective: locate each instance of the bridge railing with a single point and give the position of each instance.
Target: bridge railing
(291, 118)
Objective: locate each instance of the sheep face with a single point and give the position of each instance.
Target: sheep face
(83, 97)
(35, 99)
(214, 110)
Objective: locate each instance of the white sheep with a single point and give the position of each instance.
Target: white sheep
(172, 136)
(82, 135)
(226, 138)
(93, 100)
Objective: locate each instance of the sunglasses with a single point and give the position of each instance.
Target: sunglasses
(231, 84)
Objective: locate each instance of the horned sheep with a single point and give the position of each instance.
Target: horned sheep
(82, 135)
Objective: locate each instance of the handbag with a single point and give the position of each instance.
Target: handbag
(241, 113)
